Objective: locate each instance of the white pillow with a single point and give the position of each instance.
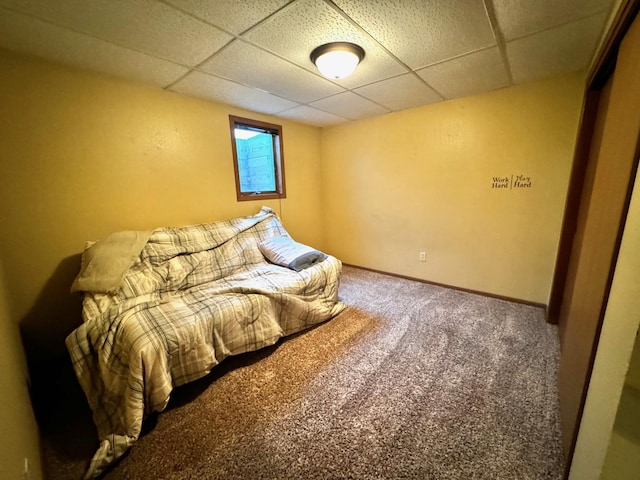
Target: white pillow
(106, 261)
(288, 253)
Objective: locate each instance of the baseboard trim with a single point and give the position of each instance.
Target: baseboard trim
(453, 287)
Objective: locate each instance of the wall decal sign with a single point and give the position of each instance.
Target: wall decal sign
(511, 182)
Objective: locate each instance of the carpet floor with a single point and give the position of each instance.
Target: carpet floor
(411, 381)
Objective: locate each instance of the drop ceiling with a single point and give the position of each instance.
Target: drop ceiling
(254, 54)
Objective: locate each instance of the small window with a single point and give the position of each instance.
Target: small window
(257, 159)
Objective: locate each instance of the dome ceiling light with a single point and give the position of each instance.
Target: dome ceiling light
(337, 60)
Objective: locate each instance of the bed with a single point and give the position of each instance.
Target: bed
(162, 308)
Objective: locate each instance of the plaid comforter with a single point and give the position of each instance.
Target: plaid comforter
(194, 296)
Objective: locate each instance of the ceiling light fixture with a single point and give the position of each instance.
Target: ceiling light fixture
(337, 60)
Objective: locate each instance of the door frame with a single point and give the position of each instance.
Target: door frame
(600, 72)
(601, 69)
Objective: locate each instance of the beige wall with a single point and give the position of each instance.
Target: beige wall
(19, 439)
(421, 180)
(84, 155)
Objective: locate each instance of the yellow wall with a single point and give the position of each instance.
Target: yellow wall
(633, 375)
(19, 439)
(421, 180)
(84, 155)
(622, 461)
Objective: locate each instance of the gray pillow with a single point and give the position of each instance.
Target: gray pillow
(286, 252)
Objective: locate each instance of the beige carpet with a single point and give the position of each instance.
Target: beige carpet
(410, 381)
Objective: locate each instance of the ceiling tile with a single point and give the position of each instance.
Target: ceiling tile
(144, 25)
(263, 46)
(568, 48)
(231, 15)
(303, 25)
(350, 106)
(311, 116)
(398, 93)
(212, 88)
(517, 18)
(27, 35)
(246, 64)
(471, 74)
(423, 32)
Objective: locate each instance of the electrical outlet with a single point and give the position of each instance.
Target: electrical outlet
(423, 256)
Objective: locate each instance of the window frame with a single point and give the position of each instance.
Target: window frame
(278, 158)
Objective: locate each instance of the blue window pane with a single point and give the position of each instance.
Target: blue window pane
(256, 163)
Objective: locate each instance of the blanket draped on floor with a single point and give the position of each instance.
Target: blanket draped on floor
(193, 296)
